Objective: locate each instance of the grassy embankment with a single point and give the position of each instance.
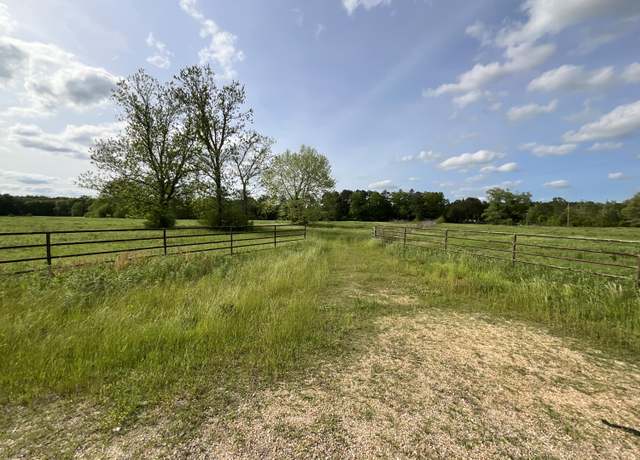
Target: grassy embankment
(129, 336)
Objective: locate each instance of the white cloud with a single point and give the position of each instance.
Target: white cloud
(7, 24)
(598, 146)
(621, 121)
(520, 40)
(46, 78)
(531, 110)
(74, 141)
(467, 160)
(480, 32)
(631, 73)
(571, 77)
(616, 176)
(423, 155)
(507, 167)
(385, 184)
(518, 58)
(352, 5)
(320, 28)
(21, 183)
(162, 56)
(413, 179)
(542, 150)
(550, 17)
(222, 46)
(592, 42)
(560, 183)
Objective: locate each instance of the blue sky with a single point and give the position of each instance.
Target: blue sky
(533, 95)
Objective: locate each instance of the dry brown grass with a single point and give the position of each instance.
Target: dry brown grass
(439, 384)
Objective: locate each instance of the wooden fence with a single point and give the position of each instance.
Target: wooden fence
(33, 251)
(611, 258)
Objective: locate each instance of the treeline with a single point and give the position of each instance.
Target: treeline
(501, 207)
(44, 206)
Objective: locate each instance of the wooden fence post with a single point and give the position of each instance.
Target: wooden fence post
(48, 242)
(404, 238)
(275, 241)
(305, 231)
(446, 239)
(164, 240)
(514, 245)
(231, 239)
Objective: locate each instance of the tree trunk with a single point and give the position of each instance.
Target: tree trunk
(244, 201)
(219, 200)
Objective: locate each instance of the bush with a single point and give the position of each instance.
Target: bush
(232, 214)
(160, 218)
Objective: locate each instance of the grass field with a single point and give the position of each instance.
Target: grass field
(338, 345)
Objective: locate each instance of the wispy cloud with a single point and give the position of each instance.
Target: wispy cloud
(162, 56)
(222, 44)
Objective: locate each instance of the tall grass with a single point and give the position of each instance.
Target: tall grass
(163, 327)
(604, 313)
(136, 333)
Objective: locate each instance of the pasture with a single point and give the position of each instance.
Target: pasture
(339, 345)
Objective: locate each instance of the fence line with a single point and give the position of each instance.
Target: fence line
(521, 248)
(169, 241)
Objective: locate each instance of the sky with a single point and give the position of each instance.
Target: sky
(541, 96)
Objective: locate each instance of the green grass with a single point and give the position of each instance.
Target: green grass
(165, 328)
(133, 243)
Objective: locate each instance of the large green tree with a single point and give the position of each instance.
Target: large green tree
(250, 157)
(153, 154)
(506, 207)
(219, 118)
(298, 179)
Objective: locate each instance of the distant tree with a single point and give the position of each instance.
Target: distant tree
(506, 207)
(358, 209)
(432, 205)
(218, 117)
(154, 152)
(631, 211)
(344, 204)
(403, 205)
(299, 179)
(379, 207)
(329, 205)
(250, 157)
(468, 210)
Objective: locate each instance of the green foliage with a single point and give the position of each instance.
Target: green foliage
(506, 207)
(469, 210)
(233, 213)
(631, 211)
(160, 218)
(299, 179)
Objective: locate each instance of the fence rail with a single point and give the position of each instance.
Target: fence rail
(610, 258)
(22, 249)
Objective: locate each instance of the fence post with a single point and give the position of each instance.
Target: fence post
(404, 238)
(164, 240)
(446, 238)
(48, 242)
(231, 239)
(275, 240)
(305, 231)
(638, 274)
(375, 232)
(514, 245)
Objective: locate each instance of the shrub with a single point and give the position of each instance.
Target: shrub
(160, 218)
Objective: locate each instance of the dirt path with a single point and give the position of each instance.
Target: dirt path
(436, 385)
